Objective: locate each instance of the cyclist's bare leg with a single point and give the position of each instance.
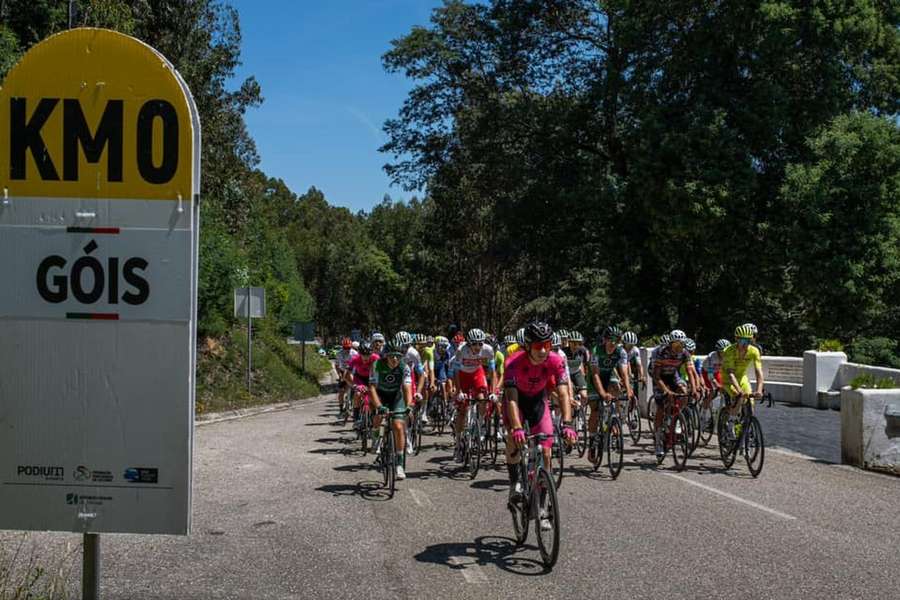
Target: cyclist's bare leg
(399, 427)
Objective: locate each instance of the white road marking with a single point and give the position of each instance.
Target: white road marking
(771, 511)
(791, 453)
(420, 498)
(470, 570)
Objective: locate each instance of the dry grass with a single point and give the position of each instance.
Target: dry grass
(25, 573)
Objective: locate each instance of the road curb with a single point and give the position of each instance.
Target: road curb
(243, 413)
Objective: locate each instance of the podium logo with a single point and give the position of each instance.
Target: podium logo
(48, 473)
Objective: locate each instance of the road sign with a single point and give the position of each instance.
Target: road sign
(257, 299)
(99, 188)
(305, 331)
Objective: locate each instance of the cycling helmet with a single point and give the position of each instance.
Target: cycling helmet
(690, 345)
(575, 336)
(421, 338)
(556, 340)
(665, 339)
(441, 341)
(520, 336)
(752, 328)
(402, 339)
(355, 345)
(538, 332)
(630, 337)
(509, 340)
(458, 339)
(743, 331)
(429, 339)
(365, 348)
(564, 334)
(612, 333)
(377, 337)
(722, 344)
(346, 343)
(392, 349)
(475, 336)
(678, 336)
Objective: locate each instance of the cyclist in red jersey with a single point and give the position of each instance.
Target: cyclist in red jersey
(525, 386)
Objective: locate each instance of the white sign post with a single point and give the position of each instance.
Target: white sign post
(99, 230)
(250, 302)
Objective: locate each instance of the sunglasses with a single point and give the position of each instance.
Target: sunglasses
(538, 346)
(744, 340)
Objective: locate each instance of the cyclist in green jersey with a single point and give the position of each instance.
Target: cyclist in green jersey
(390, 388)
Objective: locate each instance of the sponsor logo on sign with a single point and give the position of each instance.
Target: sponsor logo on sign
(73, 499)
(47, 473)
(82, 473)
(142, 475)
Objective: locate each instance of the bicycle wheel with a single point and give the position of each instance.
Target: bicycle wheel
(581, 442)
(596, 445)
(388, 458)
(475, 451)
(437, 422)
(727, 444)
(365, 432)
(493, 441)
(544, 495)
(706, 432)
(557, 463)
(754, 447)
(692, 419)
(520, 511)
(634, 422)
(651, 415)
(681, 443)
(615, 442)
(420, 431)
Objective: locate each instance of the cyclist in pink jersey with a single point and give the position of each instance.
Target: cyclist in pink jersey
(525, 385)
(358, 370)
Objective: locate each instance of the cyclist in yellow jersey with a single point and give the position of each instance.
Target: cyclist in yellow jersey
(736, 360)
(426, 350)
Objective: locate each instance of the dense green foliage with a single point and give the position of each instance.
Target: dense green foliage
(693, 163)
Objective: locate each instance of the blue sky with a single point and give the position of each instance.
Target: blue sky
(326, 93)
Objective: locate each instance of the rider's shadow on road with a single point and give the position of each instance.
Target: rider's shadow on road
(487, 550)
(367, 490)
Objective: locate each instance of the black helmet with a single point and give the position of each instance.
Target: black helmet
(538, 332)
(365, 348)
(393, 349)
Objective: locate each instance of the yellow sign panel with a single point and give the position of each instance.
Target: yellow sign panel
(92, 113)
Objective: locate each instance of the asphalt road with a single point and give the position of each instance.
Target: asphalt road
(285, 506)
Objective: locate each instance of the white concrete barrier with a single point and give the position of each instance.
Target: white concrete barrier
(870, 429)
(850, 371)
(820, 372)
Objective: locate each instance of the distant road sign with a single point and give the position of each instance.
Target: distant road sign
(257, 299)
(305, 331)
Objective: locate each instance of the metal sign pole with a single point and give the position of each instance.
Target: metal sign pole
(249, 340)
(90, 571)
